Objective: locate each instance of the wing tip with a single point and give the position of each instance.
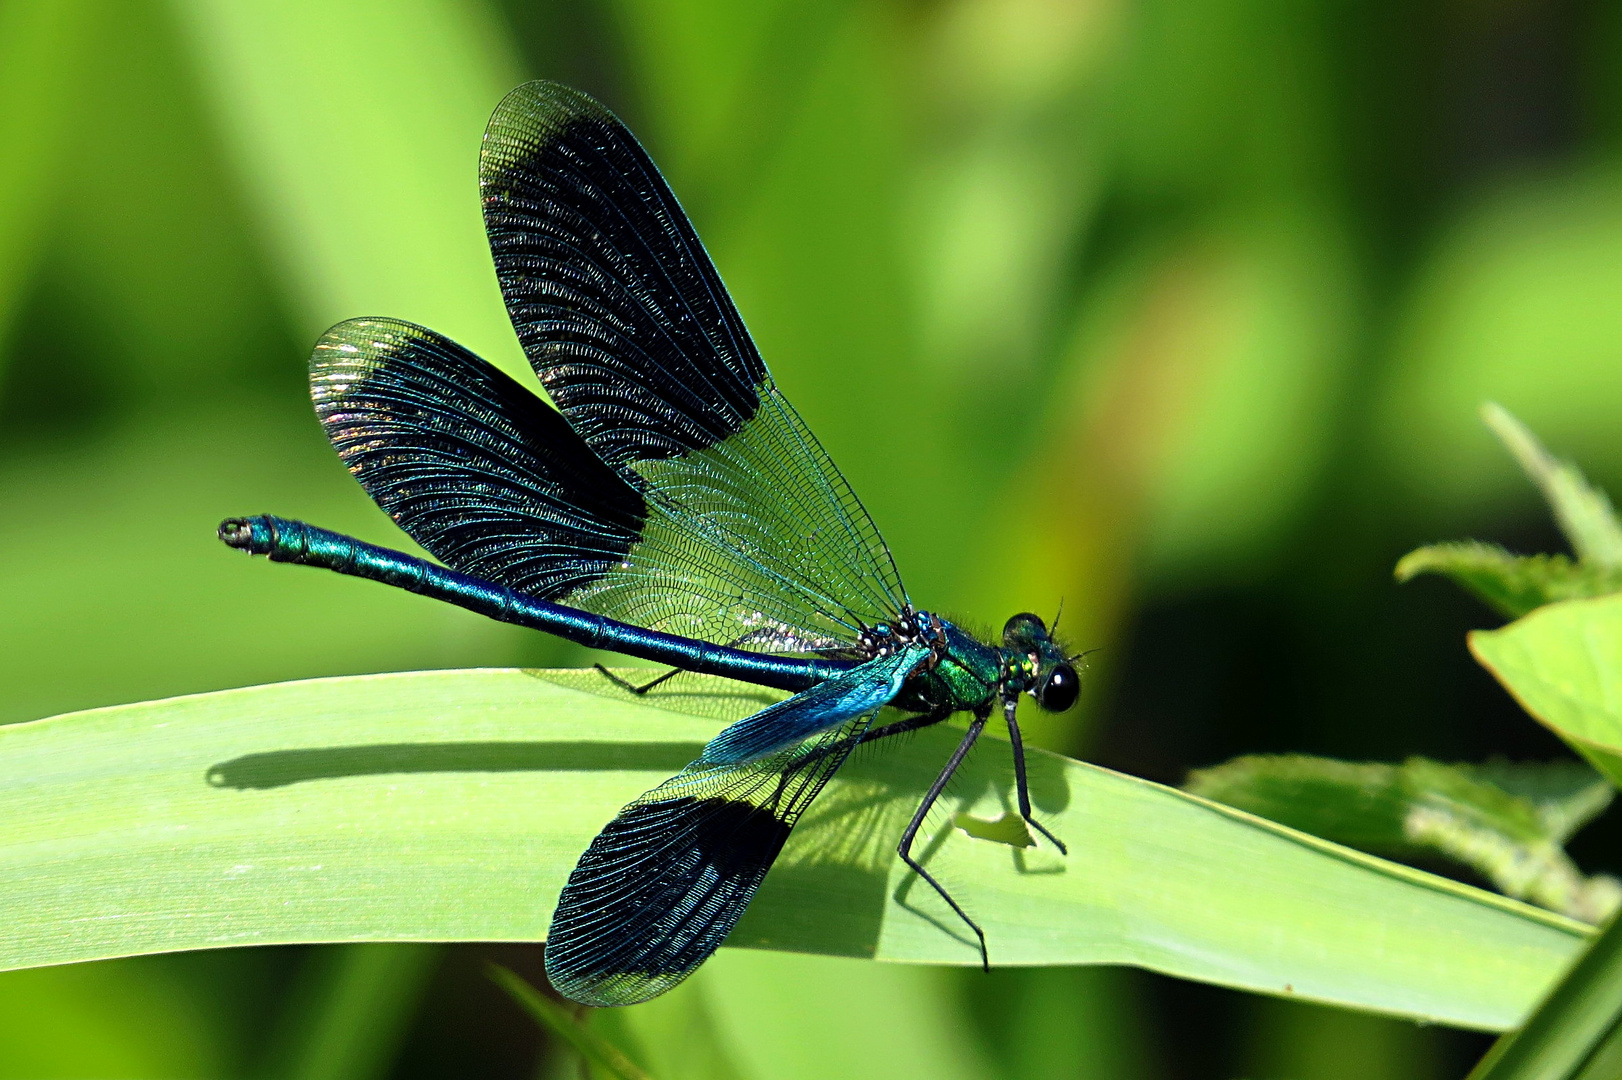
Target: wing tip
(656, 894)
(359, 345)
(533, 113)
(613, 989)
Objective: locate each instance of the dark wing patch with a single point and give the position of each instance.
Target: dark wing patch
(662, 886)
(492, 481)
(613, 297)
(477, 469)
(626, 322)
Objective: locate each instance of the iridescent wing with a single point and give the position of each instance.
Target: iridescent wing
(494, 483)
(664, 883)
(634, 337)
(477, 469)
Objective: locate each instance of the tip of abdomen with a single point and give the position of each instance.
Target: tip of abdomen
(239, 533)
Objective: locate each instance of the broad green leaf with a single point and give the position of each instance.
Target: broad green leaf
(1576, 1033)
(1505, 822)
(1512, 585)
(452, 805)
(1563, 663)
(1583, 511)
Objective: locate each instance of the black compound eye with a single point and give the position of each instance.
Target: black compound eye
(1024, 617)
(1023, 627)
(1061, 689)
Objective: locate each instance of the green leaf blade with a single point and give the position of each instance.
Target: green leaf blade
(451, 806)
(1576, 1033)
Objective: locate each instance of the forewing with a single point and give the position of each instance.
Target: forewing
(662, 886)
(474, 467)
(627, 323)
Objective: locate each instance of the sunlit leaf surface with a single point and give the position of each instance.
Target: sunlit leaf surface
(451, 806)
(1564, 663)
(1576, 1033)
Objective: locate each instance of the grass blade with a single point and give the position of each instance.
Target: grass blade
(352, 1007)
(558, 1020)
(1576, 1034)
(451, 806)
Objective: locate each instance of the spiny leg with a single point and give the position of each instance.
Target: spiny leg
(912, 723)
(904, 849)
(632, 687)
(901, 727)
(1021, 784)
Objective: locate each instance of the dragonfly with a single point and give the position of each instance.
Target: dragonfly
(671, 507)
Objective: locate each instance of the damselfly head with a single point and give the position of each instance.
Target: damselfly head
(1054, 682)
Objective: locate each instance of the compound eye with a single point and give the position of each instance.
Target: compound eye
(1023, 621)
(1061, 689)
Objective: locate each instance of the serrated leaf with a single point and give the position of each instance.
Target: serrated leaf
(1583, 511)
(1425, 809)
(1566, 794)
(1512, 585)
(1563, 663)
(452, 805)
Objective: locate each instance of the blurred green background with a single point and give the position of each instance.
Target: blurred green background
(1177, 311)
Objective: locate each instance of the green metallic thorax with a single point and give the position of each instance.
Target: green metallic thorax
(969, 675)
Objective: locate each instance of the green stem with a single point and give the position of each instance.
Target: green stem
(557, 1019)
(352, 1010)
